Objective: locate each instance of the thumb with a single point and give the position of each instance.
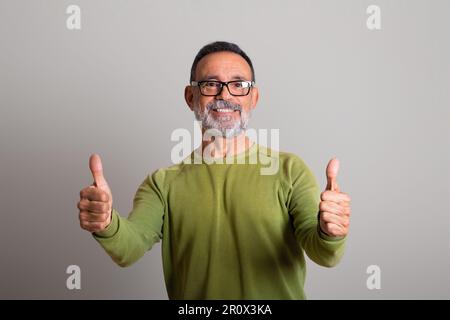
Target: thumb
(95, 164)
(332, 171)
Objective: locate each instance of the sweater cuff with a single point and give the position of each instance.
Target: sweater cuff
(111, 229)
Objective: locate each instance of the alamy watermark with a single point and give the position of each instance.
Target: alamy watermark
(374, 19)
(74, 279)
(73, 22)
(374, 280)
(267, 157)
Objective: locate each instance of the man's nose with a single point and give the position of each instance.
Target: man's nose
(224, 94)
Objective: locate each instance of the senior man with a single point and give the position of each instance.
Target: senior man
(228, 231)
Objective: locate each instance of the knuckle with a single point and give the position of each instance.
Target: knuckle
(94, 225)
(322, 206)
(84, 224)
(346, 223)
(336, 231)
(98, 226)
(82, 204)
(82, 215)
(329, 227)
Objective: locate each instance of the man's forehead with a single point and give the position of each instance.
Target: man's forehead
(223, 64)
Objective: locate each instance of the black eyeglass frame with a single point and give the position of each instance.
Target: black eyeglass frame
(223, 84)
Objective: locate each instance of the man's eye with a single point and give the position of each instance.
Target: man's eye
(237, 84)
(211, 84)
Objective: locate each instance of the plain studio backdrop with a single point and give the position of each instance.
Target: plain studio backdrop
(377, 99)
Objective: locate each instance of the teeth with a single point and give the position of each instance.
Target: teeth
(224, 110)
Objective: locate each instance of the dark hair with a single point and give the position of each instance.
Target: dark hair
(220, 46)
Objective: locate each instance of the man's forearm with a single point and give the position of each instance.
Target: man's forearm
(124, 240)
(322, 249)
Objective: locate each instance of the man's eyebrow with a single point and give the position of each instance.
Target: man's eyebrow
(215, 77)
(238, 77)
(212, 77)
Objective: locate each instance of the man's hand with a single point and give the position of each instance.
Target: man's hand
(334, 208)
(95, 200)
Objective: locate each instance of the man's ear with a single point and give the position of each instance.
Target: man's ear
(255, 98)
(189, 97)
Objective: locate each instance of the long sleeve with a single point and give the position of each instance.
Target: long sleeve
(127, 239)
(303, 206)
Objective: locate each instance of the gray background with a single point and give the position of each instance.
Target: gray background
(378, 100)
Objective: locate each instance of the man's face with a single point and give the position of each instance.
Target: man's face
(222, 66)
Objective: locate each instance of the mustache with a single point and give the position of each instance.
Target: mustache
(222, 104)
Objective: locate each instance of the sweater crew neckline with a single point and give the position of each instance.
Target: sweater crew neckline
(230, 159)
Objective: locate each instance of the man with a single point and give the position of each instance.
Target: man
(228, 231)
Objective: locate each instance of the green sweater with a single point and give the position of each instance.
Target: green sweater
(228, 231)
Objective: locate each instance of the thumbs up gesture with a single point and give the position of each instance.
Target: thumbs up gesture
(95, 200)
(334, 207)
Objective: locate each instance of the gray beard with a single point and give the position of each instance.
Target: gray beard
(208, 122)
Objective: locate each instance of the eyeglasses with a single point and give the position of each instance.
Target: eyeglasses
(213, 88)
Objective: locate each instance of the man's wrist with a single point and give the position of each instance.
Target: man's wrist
(111, 229)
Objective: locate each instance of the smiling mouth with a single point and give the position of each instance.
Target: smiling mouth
(224, 110)
(227, 114)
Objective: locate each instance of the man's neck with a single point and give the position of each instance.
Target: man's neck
(221, 147)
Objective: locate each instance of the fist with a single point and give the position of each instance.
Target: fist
(95, 203)
(334, 207)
